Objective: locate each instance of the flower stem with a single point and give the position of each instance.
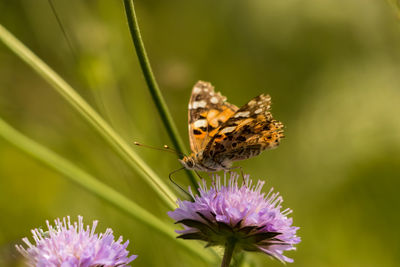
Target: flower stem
(152, 83)
(229, 248)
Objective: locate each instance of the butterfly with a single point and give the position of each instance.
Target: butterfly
(221, 133)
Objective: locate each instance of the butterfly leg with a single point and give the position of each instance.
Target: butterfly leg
(201, 178)
(241, 172)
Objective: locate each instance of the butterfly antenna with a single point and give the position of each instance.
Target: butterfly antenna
(64, 32)
(180, 187)
(164, 148)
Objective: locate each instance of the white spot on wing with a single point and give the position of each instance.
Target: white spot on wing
(197, 90)
(199, 104)
(258, 111)
(242, 114)
(228, 129)
(200, 123)
(214, 100)
(251, 103)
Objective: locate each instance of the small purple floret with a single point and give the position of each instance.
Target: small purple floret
(71, 245)
(243, 213)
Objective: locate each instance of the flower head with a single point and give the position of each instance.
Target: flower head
(252, 219)
(71, 245)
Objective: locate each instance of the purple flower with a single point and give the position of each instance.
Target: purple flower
(241, 213)
(71, 245)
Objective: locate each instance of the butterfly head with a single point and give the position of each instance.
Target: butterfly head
(189, 161)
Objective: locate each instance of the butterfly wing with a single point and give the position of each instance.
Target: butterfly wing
(207, 111)
(246, 133)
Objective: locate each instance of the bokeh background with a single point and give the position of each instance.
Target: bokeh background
(331, 67)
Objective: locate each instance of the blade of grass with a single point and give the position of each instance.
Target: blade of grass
(152, 84)
(94, 119)
(91, 184)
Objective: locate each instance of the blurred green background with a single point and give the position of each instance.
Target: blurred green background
(331, 67)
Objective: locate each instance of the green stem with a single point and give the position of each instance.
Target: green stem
(91, 184)
(152, 83)
(229, 248)
(91, 116)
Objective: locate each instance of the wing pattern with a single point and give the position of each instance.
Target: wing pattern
(246, 133)
(207, 111)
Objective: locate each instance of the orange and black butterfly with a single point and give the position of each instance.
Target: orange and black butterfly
(221, 133)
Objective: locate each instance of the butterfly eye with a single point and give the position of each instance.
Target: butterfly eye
(190, 163)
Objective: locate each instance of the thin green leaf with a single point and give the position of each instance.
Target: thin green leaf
(94, 119)
(91, 184)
